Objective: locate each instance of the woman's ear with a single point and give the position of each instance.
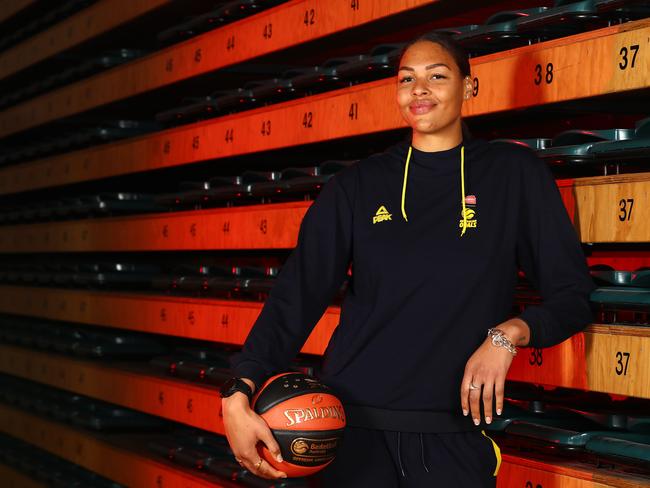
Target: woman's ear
(468, 88)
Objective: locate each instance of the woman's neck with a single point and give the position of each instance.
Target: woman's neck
(438, 141)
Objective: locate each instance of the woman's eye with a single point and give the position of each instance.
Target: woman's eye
(435, 76)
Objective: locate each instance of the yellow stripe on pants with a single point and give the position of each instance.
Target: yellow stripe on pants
(497, 452)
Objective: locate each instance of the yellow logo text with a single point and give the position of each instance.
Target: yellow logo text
(381, 215)
(470, 215)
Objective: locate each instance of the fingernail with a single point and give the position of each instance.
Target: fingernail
(283, 476)
(465, 412)
(488, 420)
(498, 411)
(279, 458)
(477, 421)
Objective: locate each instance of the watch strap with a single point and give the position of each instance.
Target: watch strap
(235, 384)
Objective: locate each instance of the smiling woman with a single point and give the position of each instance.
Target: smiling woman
(430, 94)
(425, 336)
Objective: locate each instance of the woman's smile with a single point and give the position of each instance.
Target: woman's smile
(421, 106)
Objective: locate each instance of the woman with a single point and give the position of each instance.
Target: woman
(434, 227)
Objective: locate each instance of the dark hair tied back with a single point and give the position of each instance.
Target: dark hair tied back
(452, 46)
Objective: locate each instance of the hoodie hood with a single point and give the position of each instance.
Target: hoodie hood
(457, 159)
(443, 161)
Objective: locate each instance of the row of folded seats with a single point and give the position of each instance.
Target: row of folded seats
(47, 468)
(75, 68)
(596, 429)
(49, 13)
(248, 188)
(221, 14)
(72, 134)
(502, 31)
(573, 149)
(146, 435)
(622, 296)
(297, 82)
(161, 356)
(245, 282)
(149, 354)
(511, 28)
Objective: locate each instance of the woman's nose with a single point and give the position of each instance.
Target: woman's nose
(419, 87)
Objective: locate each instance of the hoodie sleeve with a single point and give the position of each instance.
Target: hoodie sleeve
(305, 286)
(550, 253)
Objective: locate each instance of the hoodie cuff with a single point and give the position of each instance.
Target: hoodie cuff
(253, 371)
(531, 315)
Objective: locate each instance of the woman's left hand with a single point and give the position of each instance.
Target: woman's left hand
(487, 368)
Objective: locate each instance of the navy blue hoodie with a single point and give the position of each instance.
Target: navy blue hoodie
(422, 296)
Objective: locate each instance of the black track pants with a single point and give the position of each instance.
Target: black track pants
(386, 459)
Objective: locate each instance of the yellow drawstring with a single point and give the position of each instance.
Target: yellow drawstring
(462, 185)
(462, 179)
(406, 170)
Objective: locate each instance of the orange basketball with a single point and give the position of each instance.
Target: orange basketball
(306, 418)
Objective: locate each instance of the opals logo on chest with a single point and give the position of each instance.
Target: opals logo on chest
(468, 219)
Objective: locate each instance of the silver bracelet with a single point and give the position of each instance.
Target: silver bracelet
(500, 339)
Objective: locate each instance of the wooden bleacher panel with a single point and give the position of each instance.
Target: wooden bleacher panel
(9, 8)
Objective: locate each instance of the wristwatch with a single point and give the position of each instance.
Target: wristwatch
(233, 385)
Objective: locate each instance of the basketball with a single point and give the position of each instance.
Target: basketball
(306, 419)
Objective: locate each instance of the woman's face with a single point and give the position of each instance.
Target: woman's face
(430, 88)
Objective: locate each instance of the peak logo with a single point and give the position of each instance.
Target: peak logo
(381, 215)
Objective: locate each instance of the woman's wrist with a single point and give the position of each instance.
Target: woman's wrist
(238, 399)
(250, 383)
(516, 330)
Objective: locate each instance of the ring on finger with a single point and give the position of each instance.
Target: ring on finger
(472, 386)
(258, 464)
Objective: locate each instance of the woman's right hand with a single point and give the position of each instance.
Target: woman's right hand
(244, 430)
